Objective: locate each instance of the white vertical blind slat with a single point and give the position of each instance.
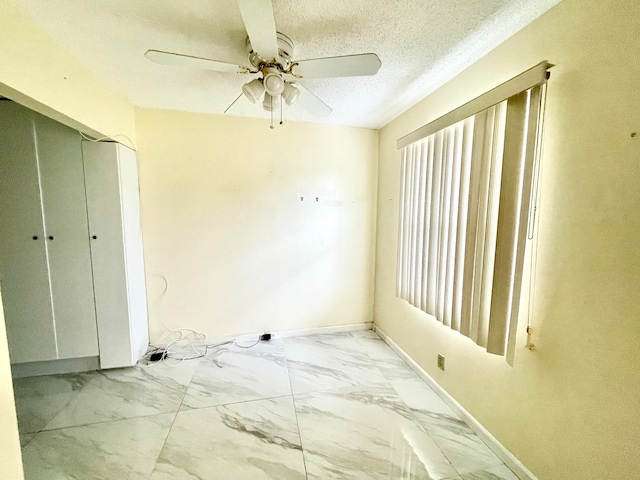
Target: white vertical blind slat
(447, 153)
(532, 149)
(410, 224)
(434, 246)
(427, 223)
(486, 156)
(405, 224)
(433, 219)
(463, 204)
(479, 129)
(415, 201)
(457, 131)
(417, 215)
(491, 224)
(420, 220)
(401, 223)
(507, 223)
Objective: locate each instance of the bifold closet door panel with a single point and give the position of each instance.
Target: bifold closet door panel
(67, 232)
(23, 258)
(134, 256)
(107, 252)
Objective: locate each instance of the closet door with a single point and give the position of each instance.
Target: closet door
(104, 204)
(23, 257)
(134, 256)
(113, 201)
(67, 232)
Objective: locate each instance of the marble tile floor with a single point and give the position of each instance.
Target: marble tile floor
(339, 406)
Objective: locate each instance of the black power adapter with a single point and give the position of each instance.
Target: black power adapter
(265, 337)
(157, 356)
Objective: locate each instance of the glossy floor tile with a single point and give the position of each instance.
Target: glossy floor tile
(120, 449)
(40, 399)
(340, 406)
(127, 393)
(329, 362)
(362, 433)
(25, 438)
(464, 449)
(250, 440)
(246, 374)
(497, 472)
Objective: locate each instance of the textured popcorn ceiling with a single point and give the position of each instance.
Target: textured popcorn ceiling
(422, 44)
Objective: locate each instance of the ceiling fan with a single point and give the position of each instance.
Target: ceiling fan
(270, 55)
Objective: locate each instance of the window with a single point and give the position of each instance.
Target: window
(464, 206)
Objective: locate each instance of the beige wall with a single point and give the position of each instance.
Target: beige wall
(37, 73)
(223, 219)
(568, 410)
(10, 460)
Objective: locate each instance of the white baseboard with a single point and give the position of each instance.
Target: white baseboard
(325, 330)
(54, 367)
(501, 452)
(248, 337)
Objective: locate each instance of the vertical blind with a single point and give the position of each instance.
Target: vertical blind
(464, 203)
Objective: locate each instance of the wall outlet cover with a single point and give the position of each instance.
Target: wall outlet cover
(440, 362)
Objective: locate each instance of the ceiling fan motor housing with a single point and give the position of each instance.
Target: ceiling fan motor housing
(285, 54)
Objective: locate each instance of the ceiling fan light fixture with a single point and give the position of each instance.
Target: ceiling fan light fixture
(273, 84)
(271, 102)
(253, 90)
(290, 94)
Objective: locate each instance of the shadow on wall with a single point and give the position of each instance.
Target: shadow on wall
(286, 270)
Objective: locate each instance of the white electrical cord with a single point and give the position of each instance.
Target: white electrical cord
(222, 350)
(181, 338)
(177, 337)
(108, 137)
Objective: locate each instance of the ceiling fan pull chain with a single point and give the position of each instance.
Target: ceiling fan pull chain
(281, 120)
(271, 102)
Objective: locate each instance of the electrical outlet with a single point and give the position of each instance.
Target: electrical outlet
(440, 362)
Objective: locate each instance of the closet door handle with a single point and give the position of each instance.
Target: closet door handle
(50, 237)
(95, 237)
(35, 237)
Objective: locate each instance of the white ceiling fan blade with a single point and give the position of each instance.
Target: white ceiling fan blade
(233, 103)
(346, 66)
(311, 103)
(167, 58)
(260, 24)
